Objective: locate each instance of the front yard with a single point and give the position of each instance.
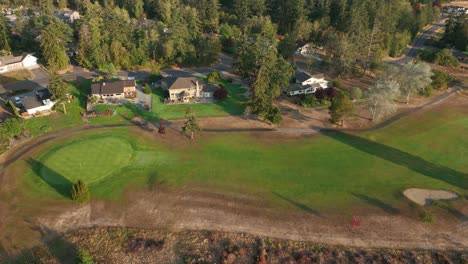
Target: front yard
(232, 105)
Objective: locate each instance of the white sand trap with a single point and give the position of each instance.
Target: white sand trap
(426, 197)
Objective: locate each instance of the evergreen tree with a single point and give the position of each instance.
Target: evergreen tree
(53, 42)
(58, 90)
(80, 192)
(4, 35)
(191, 125)
(341, 106)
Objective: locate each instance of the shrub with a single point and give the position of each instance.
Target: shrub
(338, 84)
(166, 94)
(13, 127)
(14, 108)
(440, 80)
(331, 92)
(427, 55)
(84, 257)
(428, 91)
(274, 115)
(427, 217)
(320, 94)
(221, 93)
(445, 58)
(94, 99)
(355, 93)
(213, 77)
(310, 100)
(80, 192)
(147, 89)
(162, 129)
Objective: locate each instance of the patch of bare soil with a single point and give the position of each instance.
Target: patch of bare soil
(426, 197)
(131, 245)
(462, 3)
(192, 208)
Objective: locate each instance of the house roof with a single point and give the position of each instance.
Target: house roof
(9, 59)
(111, 87)
(209, 87)
(180, 82)
(30, 102)
(318, 76)
(302, 76)
(298, 87)
(43, 94)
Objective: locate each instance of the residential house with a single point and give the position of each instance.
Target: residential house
(37, 104)
(306, 49)
(114, 89)
(12, 63)
(307, 83)
(184, 89)
(67, 16)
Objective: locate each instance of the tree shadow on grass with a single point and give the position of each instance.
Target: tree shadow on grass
(57, 246)
(401, 158)
(298, 205)
(378, 203)
(54, 179)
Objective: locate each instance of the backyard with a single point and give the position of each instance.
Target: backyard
(332, 170)
(232, 105)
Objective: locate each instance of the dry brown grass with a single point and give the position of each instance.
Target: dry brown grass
(15, 76)
(458, 3)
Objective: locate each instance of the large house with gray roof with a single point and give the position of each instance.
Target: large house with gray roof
(114, 89)
(185, 89)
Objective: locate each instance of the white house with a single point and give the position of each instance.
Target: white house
(12, 63)
(38, 103)
(305, 78)
(305, 50)
(307, 83)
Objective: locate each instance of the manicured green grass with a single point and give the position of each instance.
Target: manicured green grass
(333, 170)
(123, 114)
(59, 120)
(232, 105)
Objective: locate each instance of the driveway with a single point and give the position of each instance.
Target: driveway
(39, 78)
(418, 42)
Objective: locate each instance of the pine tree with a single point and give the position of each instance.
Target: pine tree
(80, 192)
(53, 41)
(58, 90)
(191, 125)
(341, 106)
(4, 35)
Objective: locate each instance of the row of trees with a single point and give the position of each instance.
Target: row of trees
(355, 34)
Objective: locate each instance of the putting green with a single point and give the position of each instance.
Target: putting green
(91, 160)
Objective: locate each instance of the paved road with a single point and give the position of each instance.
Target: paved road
(418, 42)
(39, 78)
(224, 66)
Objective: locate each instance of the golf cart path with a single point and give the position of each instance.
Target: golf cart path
(18, 152)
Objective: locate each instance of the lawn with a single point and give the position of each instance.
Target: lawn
(15, 76)
(232, 105)
(334, 170)
(59, 120)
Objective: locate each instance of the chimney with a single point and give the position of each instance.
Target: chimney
(197, 90)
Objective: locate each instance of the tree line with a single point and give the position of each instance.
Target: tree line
(354, 33)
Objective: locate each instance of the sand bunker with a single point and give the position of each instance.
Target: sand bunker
(426, 197)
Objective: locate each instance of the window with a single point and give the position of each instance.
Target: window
(117, 94)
